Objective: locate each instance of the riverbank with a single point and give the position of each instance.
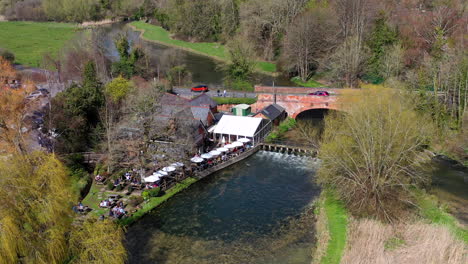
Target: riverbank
(29, 41)
(215, 51)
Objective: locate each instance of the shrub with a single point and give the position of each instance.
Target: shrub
(7, 55)
(154, 192)
(129, 190)
(110, 186)
(378, 154)
(145, 195)
(237, 100)
(119, 187)
(135, 200)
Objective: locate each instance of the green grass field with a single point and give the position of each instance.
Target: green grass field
(30, 40)
(214, 50)
(337, 224)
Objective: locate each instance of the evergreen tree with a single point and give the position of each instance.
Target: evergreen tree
(381, 37)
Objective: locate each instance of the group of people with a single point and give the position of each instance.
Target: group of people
(117, 211)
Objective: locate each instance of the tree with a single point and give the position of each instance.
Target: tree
(379, 40)
(373, 154)
(241, 55)
(308, 39)
(75, 113)
(36, 220)
(115, 92)
(13, 108)
(347, 63)
(126, 66)
(35, 207)
(95, 242)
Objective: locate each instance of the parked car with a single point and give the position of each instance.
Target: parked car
(320, 93)
(200, 88)
(43, 91)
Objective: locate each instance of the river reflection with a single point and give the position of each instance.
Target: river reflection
(257, 211)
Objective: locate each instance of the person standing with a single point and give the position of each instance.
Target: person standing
(224, 93)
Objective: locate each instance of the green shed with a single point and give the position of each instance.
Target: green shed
(241, 110)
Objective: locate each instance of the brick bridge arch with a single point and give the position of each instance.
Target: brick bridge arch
(297, 99)
(306, 108)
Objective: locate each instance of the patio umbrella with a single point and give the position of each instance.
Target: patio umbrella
(214, 153)
(196, 159)
(163, 173)
(169, 169)
(177, 164)
(237, 144)
(244, 140)
(222, 150)
(207, 156)
(230, 146)
(152, 178)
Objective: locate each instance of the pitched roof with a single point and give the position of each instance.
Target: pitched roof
(272, 111)
(201, 113)
(203, 100)
(171, 100)
(238, 125)
(242, 106)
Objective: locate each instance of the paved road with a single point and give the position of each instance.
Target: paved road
(214, 93)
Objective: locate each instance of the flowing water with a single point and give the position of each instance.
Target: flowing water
(256, 211)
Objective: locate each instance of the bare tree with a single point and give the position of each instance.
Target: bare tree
(308, 38)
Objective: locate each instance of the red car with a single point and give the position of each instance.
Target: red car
(200, 88)
(320, 93)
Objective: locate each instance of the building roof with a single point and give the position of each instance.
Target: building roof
(203, 100)
(272, 111)
(172, 100)
(201, 113)
(242, 106)
(238, 125)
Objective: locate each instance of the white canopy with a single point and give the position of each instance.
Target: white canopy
(237, 144)
(222, 150)
(177, 164)
(237, 125)
(230, 146)
(207, 156)
(152, 178)
(196, 159)
(163, 173)
(244, 140)
(214, 153)
(169, 169)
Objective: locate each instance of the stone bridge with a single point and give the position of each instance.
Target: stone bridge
(297, 99)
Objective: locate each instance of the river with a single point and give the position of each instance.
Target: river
(204, 70)
(256, 211)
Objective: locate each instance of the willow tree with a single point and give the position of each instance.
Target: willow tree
(34, 209)
(95, 242)
(373, 154)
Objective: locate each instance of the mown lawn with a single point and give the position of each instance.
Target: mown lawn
(30, 40)
(216, 50)
(234, 100)
(337, 224)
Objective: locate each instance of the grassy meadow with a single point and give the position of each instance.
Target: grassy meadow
(29, 41)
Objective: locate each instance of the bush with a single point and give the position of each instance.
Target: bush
(135, 200)
(110, 186)
(228, 100)
(129, 190)
(119, 187)
(7, 55)
(154, 192)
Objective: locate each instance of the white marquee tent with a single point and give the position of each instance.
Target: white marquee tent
(235, 127)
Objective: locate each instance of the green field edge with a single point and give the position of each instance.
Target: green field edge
(337, 224)
(142, 33)
(156, 201)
